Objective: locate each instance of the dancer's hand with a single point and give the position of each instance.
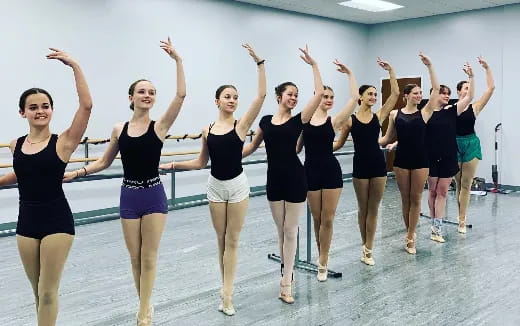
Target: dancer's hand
(341, 67)
(62, 56)
(467, 69)
(168, 48)
(251, 51)
(425, 59)
(391, 147)
(482, 62)
(384, 64)
(306, 56)
(167, 166)
(69, 176)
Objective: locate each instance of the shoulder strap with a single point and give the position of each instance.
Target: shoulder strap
(19, 143)
(125, 129)
(235, 124)
(210, 126)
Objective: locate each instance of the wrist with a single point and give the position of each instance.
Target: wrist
(261, 62)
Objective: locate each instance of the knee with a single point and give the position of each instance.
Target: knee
(442, 193)
(415, 199)
(232, 242)
(466, 183)
(47, 297)
(148, 263)
(290, 234)
(328, 222)
(135, 261)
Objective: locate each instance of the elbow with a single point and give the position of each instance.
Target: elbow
(491, 88)
(319, 93)
(181, 95)
(395, 92)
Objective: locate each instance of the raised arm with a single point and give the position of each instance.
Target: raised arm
(427, 110)
(390, 135)
(299, 144)
(196, 164)
(167, 119)
(247, 120)
(339, 120)
(389, 105)
(345, 131)
(254, 144)
(482, 101)
(463, 103)
(70, 138)
(314, 102)
(101, 163)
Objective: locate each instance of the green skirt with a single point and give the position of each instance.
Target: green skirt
(468, 148)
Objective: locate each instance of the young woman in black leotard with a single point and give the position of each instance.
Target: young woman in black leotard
(45, 228)
(369, 168)
(286, 182)
(324, 176)
(408, 125)
(442, 150)
(143, 206)
(228, 188)
(469, 151)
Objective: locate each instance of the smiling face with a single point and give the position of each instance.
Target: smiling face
(414, 97)
(143, 95)
(463, 90)
(37, 110)
(227, 100)
(369, 97)
(327, 101)
(289, 97)
(444, 97)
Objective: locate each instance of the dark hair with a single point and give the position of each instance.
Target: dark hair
(362, 89)
(325, 87)
(442, 89)
(281, 88)
(131, 90)
(222, 88)
(408, 88)
(460, 84)
(32, 91)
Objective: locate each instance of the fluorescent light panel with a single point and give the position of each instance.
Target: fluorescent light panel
(371, 5)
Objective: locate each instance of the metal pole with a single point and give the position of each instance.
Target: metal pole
(86, 149)
(173, 187)
(309, 240)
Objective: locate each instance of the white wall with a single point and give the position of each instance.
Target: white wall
(450, 40)
(117, 42)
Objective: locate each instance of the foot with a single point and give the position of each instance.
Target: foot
(286, 293)
(437, 235)
(462, 226)
(146, 321)
(410, 246)
(366, 256)
(221, 304)
(227, 306)
(322, 272)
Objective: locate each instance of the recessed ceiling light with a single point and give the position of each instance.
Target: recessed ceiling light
(371, 5)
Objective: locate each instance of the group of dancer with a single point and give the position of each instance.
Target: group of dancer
(428, 140)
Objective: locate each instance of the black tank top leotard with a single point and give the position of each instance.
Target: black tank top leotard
(466, 122)
(369, 161)
(321, 166)
(140, 156)
(225, 152)
(285, 173)
(43, 209)
(442, 143)
(411, 149)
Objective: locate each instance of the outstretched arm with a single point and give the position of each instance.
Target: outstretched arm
(314, 102)
(339, 120)
(70, 138)
(463, 103)
(389, 105)
(482, 101)
(103, 162)
(166, 121)
(247, 120)
(343, 136)
(8, 179)
(254, 144)
(196, 164)
(427, 110)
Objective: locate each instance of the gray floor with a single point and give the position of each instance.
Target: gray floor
(470, 280)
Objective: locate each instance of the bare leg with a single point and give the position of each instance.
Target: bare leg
(314, 199)
(361, 187)
(375, 195)
(29, 250)
(403, 178)
(328, 212)
(290, 234)
(418, 178)
(132, 235)
(467, 172)
(218, 213)
(432, 194)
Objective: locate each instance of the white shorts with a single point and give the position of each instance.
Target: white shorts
(232, 191)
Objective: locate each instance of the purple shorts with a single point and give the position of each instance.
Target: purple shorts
(135, 203)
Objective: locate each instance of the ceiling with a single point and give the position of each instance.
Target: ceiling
(412, 8)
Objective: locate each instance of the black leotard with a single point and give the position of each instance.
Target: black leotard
(466, 122)
(441, 142)
(225, 152)
(411, 150)
(369, 161)
(321, 166)
(43, 209)
(285, 173)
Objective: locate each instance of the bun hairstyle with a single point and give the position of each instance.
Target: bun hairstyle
(32, 91)
(362, 90)
(131, 90)
(281, 88)
(408, 89)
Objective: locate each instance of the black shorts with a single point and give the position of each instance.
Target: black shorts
(289, 184)
(443, 167)
(323, 174)
(39, 219)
